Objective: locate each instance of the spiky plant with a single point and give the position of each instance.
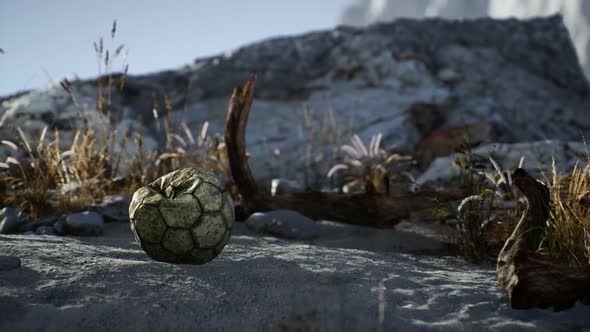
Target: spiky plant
(370, 165)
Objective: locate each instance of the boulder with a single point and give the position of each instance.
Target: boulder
(538, 159)
(521, 77)
(9, 263)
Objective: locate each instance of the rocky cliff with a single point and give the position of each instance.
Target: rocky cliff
(422, 84)
(576, 14)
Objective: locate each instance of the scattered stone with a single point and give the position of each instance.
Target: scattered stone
(9, 263)
(284, 223)
(31, 225)
(45, 230)
(8, 220)
(84, 224)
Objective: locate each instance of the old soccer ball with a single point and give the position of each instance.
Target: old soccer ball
(183, 217)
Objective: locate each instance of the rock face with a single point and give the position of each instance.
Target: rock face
(576, 14)
(538, 158)
(406, 79)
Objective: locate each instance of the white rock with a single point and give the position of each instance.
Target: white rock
(283, 223)
(84, 223)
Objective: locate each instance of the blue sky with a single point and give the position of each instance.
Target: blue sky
(47, 40)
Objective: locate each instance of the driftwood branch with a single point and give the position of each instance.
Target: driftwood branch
(369, 208)
(529, 278)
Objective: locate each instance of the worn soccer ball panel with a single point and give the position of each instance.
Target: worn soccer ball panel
(211, 178)
(210, 231)
(227, 210)
(209, 196)
(178, 241)
(183, 217)
(149, 224)
(223, 242)
(201, 256)
(159, 253)
(137, 199)
(182, 212)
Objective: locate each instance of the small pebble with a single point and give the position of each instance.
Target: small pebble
(84, 224)
(9, 263)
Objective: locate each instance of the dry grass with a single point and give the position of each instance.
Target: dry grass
(322, 135)
(42, 178)
(486, 220)
(568, 228)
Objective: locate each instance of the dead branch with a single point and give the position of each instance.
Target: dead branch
(371, 209)
(529, 278)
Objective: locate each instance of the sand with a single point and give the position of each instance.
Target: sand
(350, 279)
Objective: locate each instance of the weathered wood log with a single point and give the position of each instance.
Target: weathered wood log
(371, 208)
(531, 279)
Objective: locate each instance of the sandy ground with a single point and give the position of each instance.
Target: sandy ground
(348, 280)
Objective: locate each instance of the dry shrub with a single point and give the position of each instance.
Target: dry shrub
(41, 178)
(568, 228)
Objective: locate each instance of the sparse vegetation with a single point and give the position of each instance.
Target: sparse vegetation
(52, 173)
(42, 177)
(568, 233)
(487, 218)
